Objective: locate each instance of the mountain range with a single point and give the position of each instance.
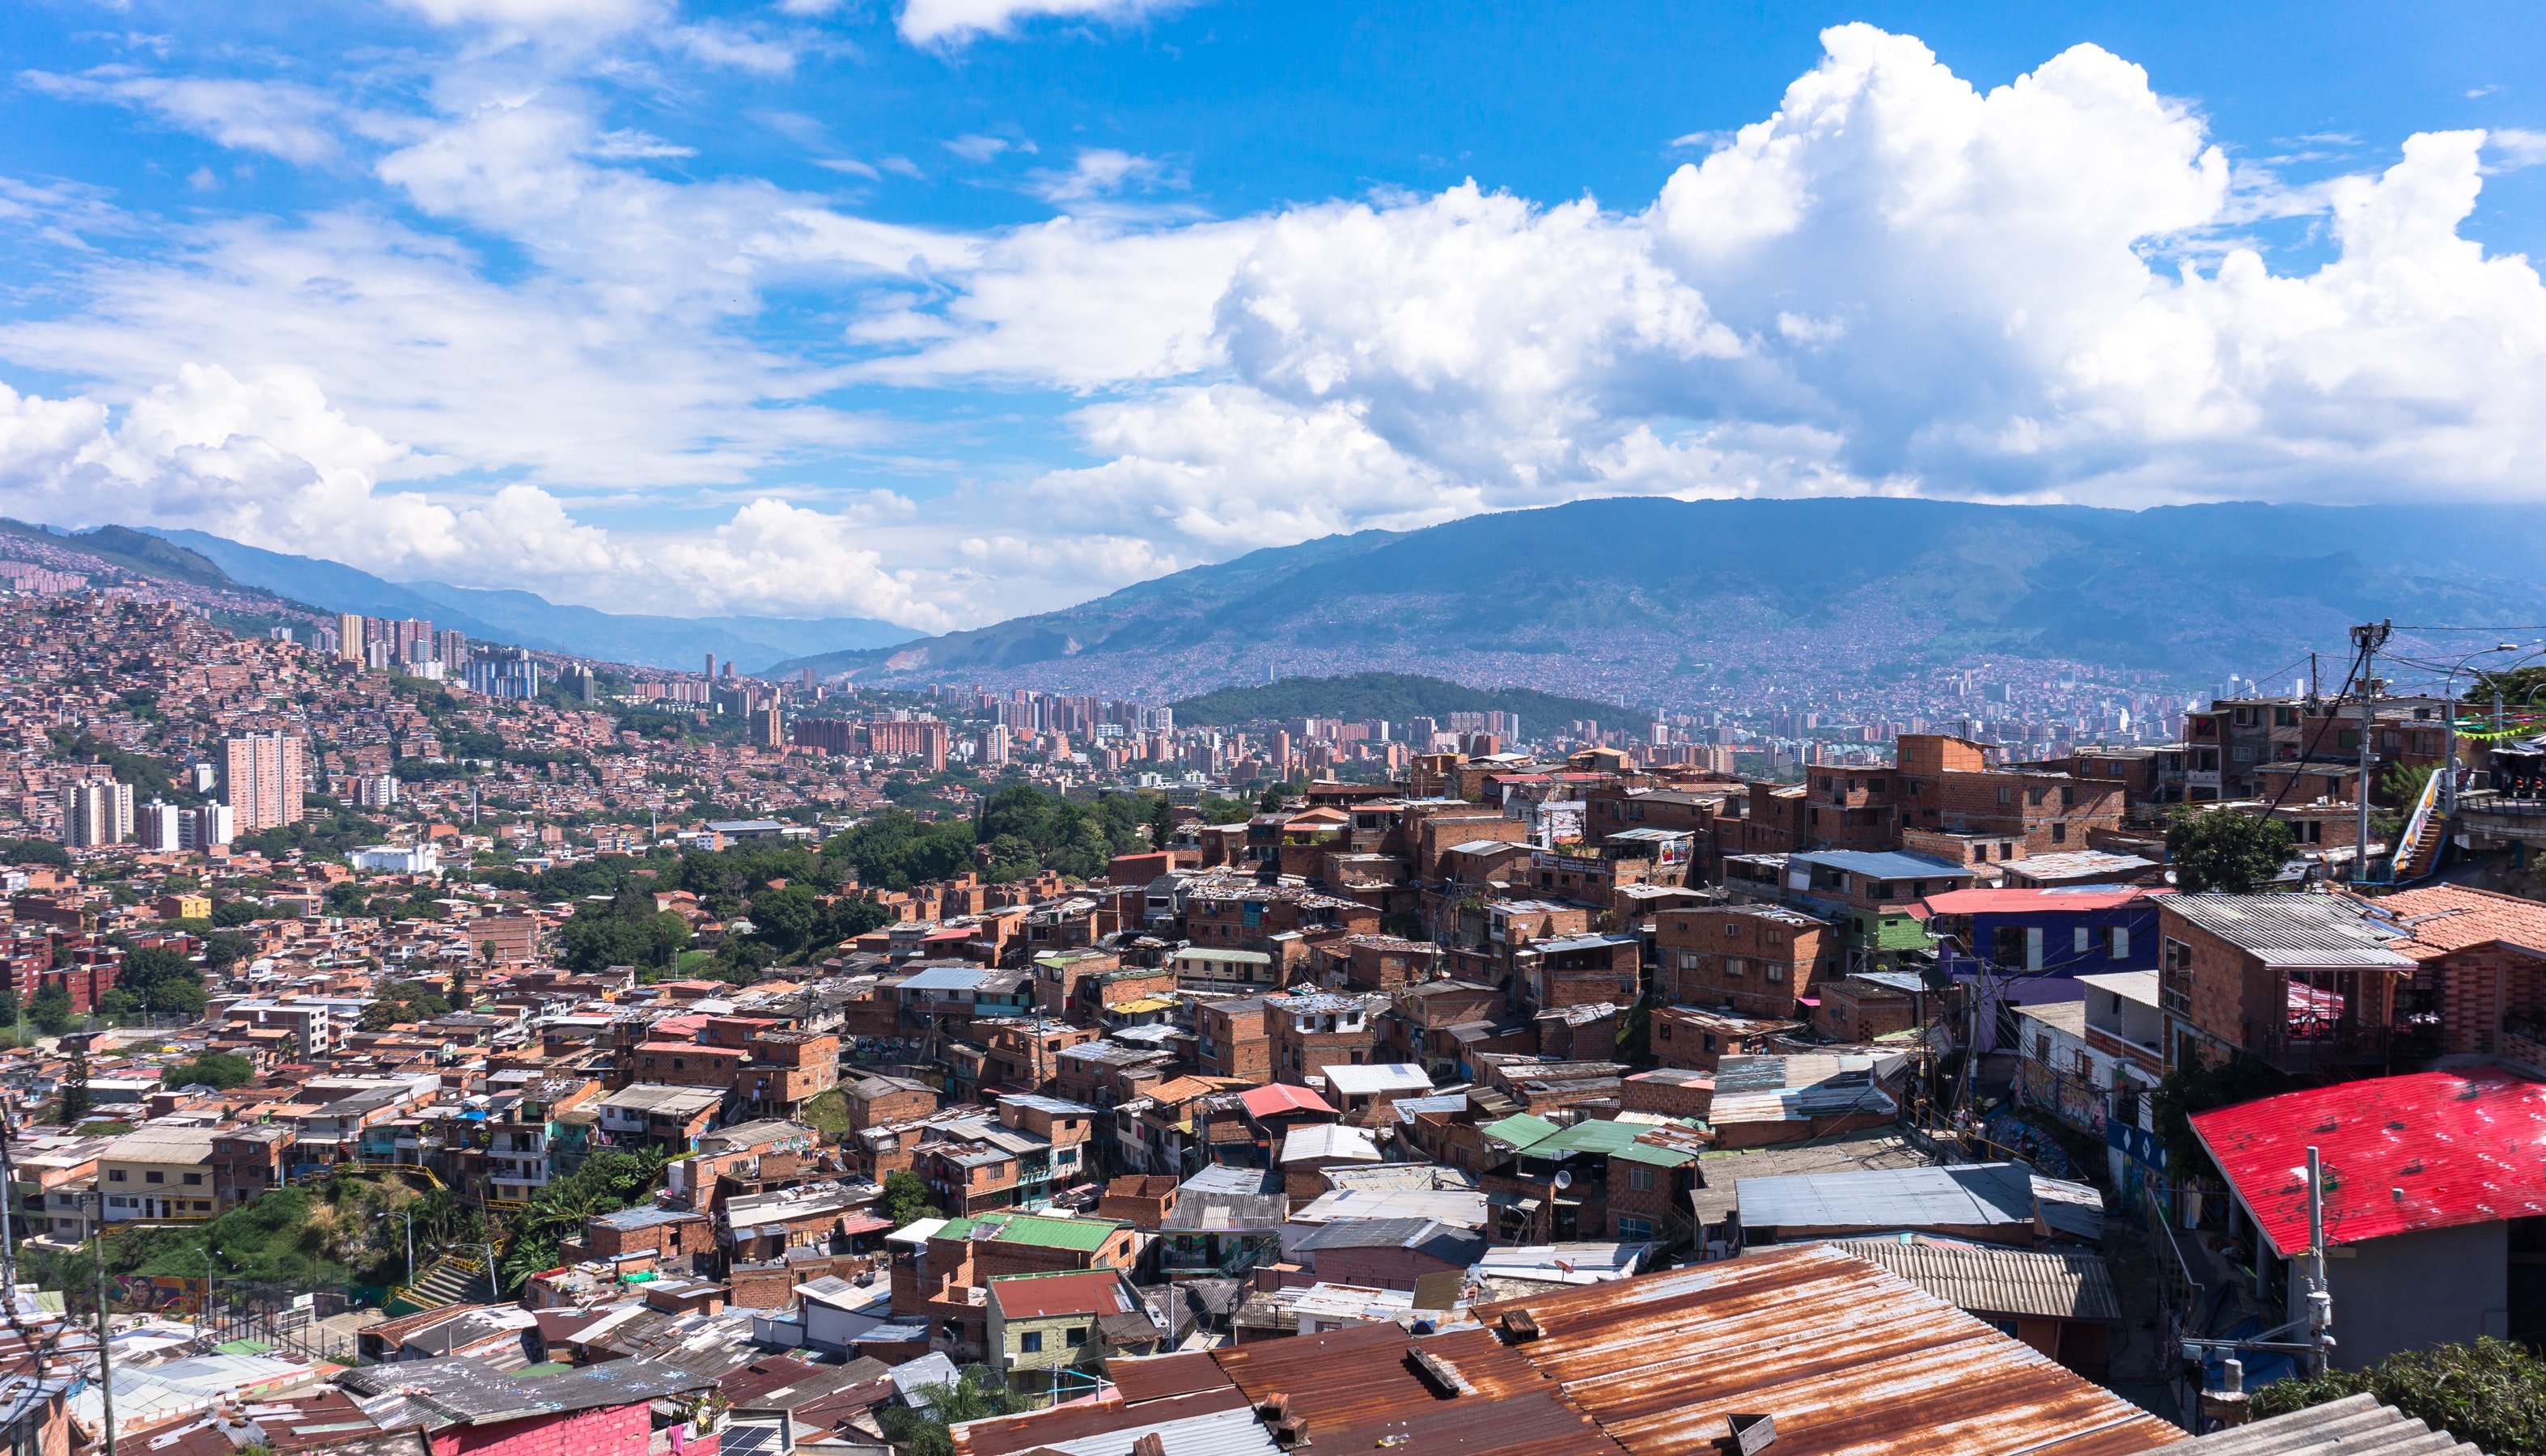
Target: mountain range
(1651, 599)
(518, 618)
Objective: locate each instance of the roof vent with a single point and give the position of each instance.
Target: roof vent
(1518, 1325)
(1751, 1434)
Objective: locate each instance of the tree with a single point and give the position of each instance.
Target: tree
(2225, 850)
(179, 998)
(786, 917)
(1162, 822)
(50, 1008)
(11, 1012)
(217, 1070)
(974, 1394)
(230, 914)
(2490, 1394)
(905, 1198)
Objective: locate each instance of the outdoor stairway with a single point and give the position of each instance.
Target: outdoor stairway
(2424, 850)
(450, 1280)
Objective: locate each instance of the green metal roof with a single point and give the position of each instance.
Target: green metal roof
(1520, 1131)
(1617, 1139)
(1083, 1234)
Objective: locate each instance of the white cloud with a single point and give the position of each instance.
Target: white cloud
(957, 22)
(291, 122)
(1103, 172)
(2517, 148)
(603, 16)
(1896, 283)
(974, 149)
(719, 44)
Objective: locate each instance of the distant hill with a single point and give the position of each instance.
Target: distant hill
(520, 618)
(1667, 601)
(131, 549)
(1395, 697)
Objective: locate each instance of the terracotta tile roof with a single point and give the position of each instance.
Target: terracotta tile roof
(2452, 917)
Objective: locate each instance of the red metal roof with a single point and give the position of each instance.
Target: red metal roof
(1161, 1376)
(2433, 1150)
(1275, 1098)
(2017, 902)
(1042, 1296)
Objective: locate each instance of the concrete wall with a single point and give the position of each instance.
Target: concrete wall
(2440, 1286)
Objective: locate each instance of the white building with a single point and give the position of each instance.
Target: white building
(398, 859)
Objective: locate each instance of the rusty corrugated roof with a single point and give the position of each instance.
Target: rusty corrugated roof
(1851, 1360)
(1359, 1385)
(1002, 1434)
(1160, 1376)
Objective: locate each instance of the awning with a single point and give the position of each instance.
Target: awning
(852, 1225)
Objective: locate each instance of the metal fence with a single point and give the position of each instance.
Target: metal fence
(283, 1317)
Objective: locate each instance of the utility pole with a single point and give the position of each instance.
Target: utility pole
(105, 1358)
(2320, 1313)
(2368, 637)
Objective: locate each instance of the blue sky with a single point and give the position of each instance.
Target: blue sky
(947, 310)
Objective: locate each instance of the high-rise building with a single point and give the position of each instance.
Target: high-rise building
(506, 672)
(768, 727)
(375, 654)
(451, 649)
(99, 812)
(711, 667)
(932, 746)
(349, 637)
(155, 825)
(413, 640)
(581, 681)
(262, 777)
(203, 827)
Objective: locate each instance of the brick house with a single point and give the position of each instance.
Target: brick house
(1860, 1008)
(1756, 960)
(1234, 1038)
(2305, 982)
(876, 1100)
(1311, 1031)
(1693, 1040)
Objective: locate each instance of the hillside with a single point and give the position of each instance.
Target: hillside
(521, 617)
(1395, 697)
(1666, 601)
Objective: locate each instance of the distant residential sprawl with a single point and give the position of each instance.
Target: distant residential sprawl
(426, 1044)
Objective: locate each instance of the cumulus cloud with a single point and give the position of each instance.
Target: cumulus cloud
(1896, 283)
(953, 22)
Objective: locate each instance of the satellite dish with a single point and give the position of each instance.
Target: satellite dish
(1563, 1180)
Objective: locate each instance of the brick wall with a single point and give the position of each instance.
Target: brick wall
(1671, 1094)
(1757, 963)
(614, 1430)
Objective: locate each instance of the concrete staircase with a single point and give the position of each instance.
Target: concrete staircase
(452, 1279)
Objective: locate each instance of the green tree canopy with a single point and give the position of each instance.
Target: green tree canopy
(50, 1008)
(211, 1070)
(905, 1199)
(2225, 850)
(2490, 1394)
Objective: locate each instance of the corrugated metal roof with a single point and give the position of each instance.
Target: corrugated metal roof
(1042, 1296)
(2059, 1284)
(1358, 1386)
(1000, 1435)
(2356, 1426)
(1221, 1434)
(1849, 1357)
(1884, 864)
(2431, 1150)
(1979, 1193)
(1275, 1098)
(1160, 1376)
(2293, 929)
(1979, 901)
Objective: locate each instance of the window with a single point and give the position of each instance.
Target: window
(1980, 854)
(2037, 797)
(1732, 968)
(1030, 1342)
(2084, 934)
(2059, 833)
(1731, 928)
(2121, 952)
(1774, 972)
(2042, 1047)
(115, 1175)
(1076, 1335)
(1634, 1227)
(1661, 1029)
(1640, 1178)
(155, 1177)
(2006, 794)
(1691, 961)
(2179, 956)
(195, 1179)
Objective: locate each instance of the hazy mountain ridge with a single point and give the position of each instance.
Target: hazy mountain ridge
(1592, 597)
(525, 619)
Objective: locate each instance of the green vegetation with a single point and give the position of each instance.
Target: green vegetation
(50, 1009)
(2225, 850)
(158, 980)
(606, 1183)
(1219, 810)
(35, 852)
(2490, 1394)
(409, 1001)
(218, 1069)
(905, 1199)
(976, 1394)
(1394, 696)
(827, 1113)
